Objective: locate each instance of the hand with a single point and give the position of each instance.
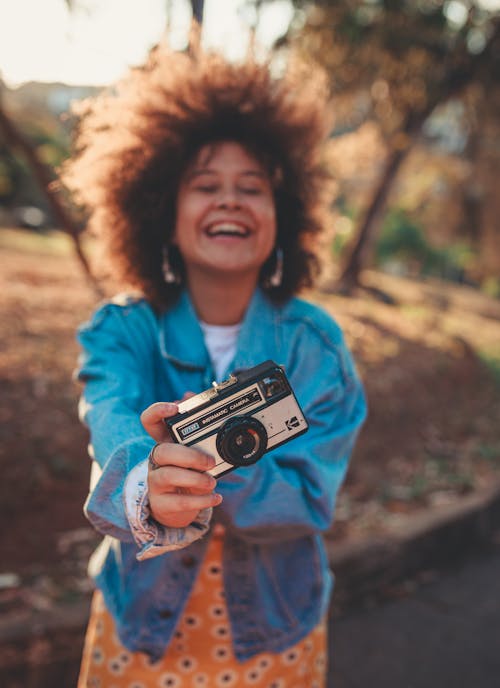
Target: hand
(181, 488)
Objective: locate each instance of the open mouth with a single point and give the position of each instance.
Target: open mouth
(227, 229)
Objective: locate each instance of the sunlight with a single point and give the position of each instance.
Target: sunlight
(98, 41)
(80, 48)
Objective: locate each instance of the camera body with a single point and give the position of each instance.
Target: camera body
(240, 419)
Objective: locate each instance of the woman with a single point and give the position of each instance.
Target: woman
(205, 181)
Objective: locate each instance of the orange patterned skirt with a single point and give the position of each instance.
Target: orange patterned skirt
(192, 662)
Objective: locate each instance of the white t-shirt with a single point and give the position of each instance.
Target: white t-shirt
(220, 341)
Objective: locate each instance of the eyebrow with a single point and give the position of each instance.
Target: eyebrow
(206, 170)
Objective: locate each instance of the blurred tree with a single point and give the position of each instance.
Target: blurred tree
(480, 202)
(394, 62)
(11, 174)
(197, 7)
(43, 157)
(40, 162)
(15, 140)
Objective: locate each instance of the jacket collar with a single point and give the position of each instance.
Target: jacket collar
(182, 343)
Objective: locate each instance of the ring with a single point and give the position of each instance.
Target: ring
(151, 459)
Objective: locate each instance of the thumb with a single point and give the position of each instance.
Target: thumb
(152, 420)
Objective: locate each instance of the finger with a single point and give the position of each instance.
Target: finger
(152, 420)
(174, 479)
(172, 454)
(174, 503)
(177, 519)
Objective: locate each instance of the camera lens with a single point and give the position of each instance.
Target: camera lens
(242, 440)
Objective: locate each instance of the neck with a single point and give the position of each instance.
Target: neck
(221, 302)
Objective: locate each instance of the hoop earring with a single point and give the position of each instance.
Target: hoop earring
(169, 274)
(276, 277)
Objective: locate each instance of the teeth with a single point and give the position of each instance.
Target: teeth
(227, 228)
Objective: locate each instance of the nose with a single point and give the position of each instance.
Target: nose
(228, 198)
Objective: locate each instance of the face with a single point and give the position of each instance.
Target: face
(226, 220)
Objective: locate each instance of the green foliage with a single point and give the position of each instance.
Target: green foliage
(50, 141)
(18, 186)
(393, 62)
(492, 363)
(339, 243)
(490, 452)
(11, 173)
(491, 287)
(406, 56)
(343, 227)
(403, 240)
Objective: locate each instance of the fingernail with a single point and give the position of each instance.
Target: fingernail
(217, 499)
(209, 461)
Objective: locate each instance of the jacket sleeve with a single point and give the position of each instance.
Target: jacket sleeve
(291, 491)
(118, 375)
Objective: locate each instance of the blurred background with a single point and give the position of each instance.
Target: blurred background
(411, 265)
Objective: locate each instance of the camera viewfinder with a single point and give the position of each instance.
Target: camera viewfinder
(273, 386)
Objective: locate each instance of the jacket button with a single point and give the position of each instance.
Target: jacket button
(165, 614)
(188, 561)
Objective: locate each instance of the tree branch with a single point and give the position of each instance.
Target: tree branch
(453, 83)
(14, 139)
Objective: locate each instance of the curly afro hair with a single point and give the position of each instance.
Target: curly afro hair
(133, 142)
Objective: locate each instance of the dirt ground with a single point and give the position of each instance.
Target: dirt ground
(430, 363)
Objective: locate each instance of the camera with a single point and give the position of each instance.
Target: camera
(240, 419)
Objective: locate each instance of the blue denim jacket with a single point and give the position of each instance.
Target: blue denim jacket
(276, 574)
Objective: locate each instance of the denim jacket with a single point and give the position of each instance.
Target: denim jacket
(276, 574)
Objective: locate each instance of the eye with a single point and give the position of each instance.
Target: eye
(251, 190)
(205, 188)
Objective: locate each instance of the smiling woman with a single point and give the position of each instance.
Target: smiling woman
(205, 181)
(136, 147)
(225, 227)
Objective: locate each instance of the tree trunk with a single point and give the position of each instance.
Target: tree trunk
(14, 139)
(349, 277)
(198, 7)
(471, 189)
(350, 272)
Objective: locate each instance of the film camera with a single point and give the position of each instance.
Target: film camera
(241, 418)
